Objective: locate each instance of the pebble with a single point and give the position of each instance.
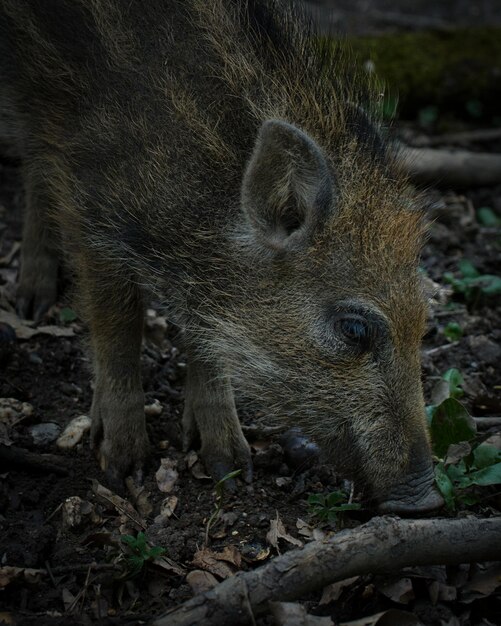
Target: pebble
(44, 433)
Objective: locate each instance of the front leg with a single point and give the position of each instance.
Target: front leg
(210, 412)
(114, 311)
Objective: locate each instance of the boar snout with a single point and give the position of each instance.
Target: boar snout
(416, 494)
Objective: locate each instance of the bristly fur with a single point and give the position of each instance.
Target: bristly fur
(137, 120)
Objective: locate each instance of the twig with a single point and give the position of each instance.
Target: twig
(446, 346)
(467, 136)
(483, 423)
(14, 457)
(382, 545)
(450, 168)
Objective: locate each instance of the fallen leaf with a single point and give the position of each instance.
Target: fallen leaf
(277, 531)
(200, 581)
(10, 574)
(399, 590)
(456, 452)
(121, 505)
(68, 599)
(482, 584)
(74, 432)
(24, 329)
(77, 511)
(191, 458)
(332, 592)
(166, 475)
(217, 562)
(168, 565)
(13, 411)
(140, 497)
(167, 509)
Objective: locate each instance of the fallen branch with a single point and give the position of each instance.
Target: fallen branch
(483, 423)
(12, 457)
(454, 168)
(467, 136)
(382, 545)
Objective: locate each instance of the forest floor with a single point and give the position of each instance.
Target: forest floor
(59, 522)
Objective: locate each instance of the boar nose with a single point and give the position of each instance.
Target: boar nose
(416, 494)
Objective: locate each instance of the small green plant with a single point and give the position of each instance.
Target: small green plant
(453, 331)
(329, 507)
(139, 553)
(219, 501)
(487, 217)
(463, 461)
(472, 285)
(67, 315)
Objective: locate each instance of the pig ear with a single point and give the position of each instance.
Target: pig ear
(287, 188)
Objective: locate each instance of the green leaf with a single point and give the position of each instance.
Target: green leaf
(453, 331)
(485, 455)
(451, 423)
(445, 486)
(428, 115)
(455, 379)
(156, 552)
(487, 476)
(67, 315)
(467, 269)
(487, 217)
(128, 539)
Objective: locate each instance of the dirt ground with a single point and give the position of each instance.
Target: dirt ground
(57, 520)
(41, 530)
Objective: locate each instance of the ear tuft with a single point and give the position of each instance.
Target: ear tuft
(287, 187)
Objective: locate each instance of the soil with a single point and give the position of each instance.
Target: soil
(56, 521)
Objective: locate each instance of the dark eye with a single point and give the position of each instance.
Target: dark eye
(355, 330)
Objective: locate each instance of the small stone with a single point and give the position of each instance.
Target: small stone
(155, 408)
(484, 349)
(44, 433)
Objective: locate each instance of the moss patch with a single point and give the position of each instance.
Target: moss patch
(456, 70)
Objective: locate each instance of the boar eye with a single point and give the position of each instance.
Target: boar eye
(355, 330)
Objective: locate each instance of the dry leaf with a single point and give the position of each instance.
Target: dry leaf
(24, 329)
(217, 562)
(9, 574)
(277, 531)
(399, 590)
(167, 509)
(140, 497)
(482, 584)
(332, 592)
(122, 506)
(74, 432)
(168, 565)
(191, 458)
(76, 511)
(200, 581)
(13, 411)
(166, 475)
